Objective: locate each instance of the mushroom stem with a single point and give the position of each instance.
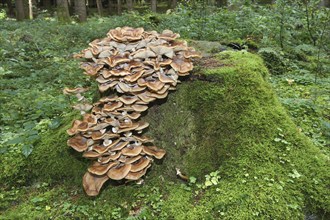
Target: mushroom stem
(180, 175)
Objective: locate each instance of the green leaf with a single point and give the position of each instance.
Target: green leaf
(33, 138)
(208, 183)
(16, 140)
(55, 123)
(37, 199)
(277, 139)
(192, 179)
(3, 150)
(214, 180)
(27, 150)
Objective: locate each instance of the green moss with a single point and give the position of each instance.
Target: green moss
(53, 161)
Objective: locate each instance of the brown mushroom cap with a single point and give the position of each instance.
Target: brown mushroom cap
(105, 86)
(144, 97)
(154, 151)
(83, 126)
(116, 60)
(112, 106)
(142, 125)
(119, 146)
(191, 54)
(181, 65)
(143, 54)
(131, 159)
(78, 142)
(128, 100)
(155, 85)
(179, 45)
(83, 107)
(143, 139)
(126, 34)
(139, 108)
(140, 164)
(137, 175)
(163, 50)
(134, 77)
(93, 183)
(91, 69)
(168, 35)
(134, 115)
(68, 91)
(112, 157)
(91, 154)
(166, 78)
(90, 119)
(101, 169)
(119, 172)
(131, 151)
(99, 126)
(73, 129)
(102, 149)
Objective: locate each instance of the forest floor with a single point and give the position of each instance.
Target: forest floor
(36, 64)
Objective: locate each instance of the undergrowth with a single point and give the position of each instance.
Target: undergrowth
(231, 125)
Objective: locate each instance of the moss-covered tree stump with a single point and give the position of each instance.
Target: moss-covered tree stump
(224, 118)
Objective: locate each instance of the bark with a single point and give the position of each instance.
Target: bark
(46, 4)
(174, 3)
(30, 10)
(154, 5)
(20, 12)
(26, 9)
(10, 8)
(119, 7)
(325, 3)
(129, 5)
(111, 7)
(99, 7)
(80, 10)
(222, 3)
(63, 10)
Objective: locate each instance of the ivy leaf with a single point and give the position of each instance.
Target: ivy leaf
(27, 150)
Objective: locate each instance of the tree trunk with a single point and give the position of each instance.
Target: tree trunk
(222, 3)
(154, 5)
(129, 5)
(80, 10)
(30, 10)
(174, 3)
(46, 4)
(325, 3)
(20, 12)
(63, 10)
(26, 9)
(119, 7)
(99, 7)
(111, 7)
(10, 8)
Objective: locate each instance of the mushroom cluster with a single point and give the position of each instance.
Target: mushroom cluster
(133, 68)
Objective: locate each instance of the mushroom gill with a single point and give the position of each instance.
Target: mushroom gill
(136, 67)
